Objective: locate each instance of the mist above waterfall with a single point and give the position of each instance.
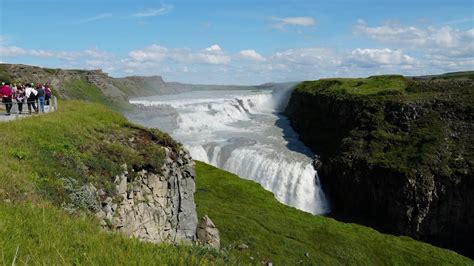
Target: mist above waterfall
(242, 132)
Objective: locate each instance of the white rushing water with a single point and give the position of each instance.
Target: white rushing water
(241, 132)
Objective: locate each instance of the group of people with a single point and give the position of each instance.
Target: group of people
(36, 97)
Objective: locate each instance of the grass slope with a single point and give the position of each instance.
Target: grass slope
(82, 90)
(87, 143)
(82, 141)
(358, 86)
(246, 213)
(454, 75)
(392, 87)
(32, 234)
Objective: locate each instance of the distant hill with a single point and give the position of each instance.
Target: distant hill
(97, 86)
(91, 85)
(451, 75)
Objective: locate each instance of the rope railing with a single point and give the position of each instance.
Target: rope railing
(28, 106)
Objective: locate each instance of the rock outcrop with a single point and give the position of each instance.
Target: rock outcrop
(155, 207)
(402, 164)
(207, 233)
(151, 206)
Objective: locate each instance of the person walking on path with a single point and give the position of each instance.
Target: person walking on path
(40, 96)
(20, 98)
(6, 93)
(30, 94)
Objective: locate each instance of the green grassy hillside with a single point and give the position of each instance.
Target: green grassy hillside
(247, 214)
(81, 141)
(82, 90)
(87, 143)
(358, 86)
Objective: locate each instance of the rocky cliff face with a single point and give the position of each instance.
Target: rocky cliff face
(400, 163)
(155, 207)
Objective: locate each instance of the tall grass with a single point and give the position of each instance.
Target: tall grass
(39, 234)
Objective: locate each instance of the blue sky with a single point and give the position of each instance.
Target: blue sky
(240, 42)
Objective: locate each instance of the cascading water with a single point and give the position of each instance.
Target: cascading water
(241, 132)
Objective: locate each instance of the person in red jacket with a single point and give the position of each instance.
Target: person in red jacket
(7, 93)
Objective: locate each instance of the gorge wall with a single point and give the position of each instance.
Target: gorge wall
(399, 161)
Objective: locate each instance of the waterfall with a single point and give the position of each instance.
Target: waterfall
(241, 131)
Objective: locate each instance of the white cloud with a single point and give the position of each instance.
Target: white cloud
(153, 12)
(93, 53)
(392, 33)
(11, 51)
(439, 49)
(251, 55)
(377, 57)
(46, 54)
(308, 56)
(297, 21)
(96, 53)
(214, 65)
(153, 52)
(214, 49)
(444, 40)
(283, 23)
(157, 53)
(94, 18)
(14, 51)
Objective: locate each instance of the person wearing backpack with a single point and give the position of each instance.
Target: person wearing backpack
(30, 94)
(6, 93)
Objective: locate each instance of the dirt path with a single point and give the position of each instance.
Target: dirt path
(15, 114)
